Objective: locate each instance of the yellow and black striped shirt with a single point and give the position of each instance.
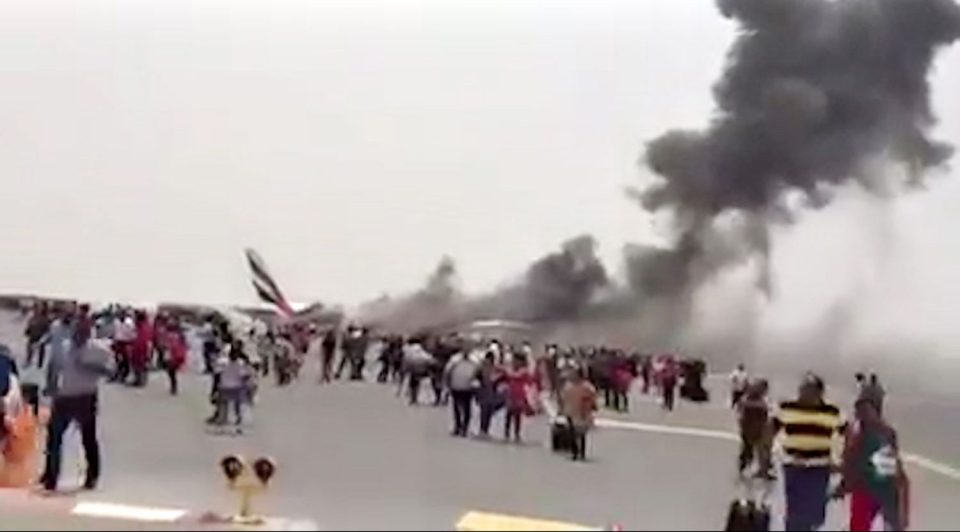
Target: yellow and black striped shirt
(808, 432)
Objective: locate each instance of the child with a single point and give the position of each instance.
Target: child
(233, 387)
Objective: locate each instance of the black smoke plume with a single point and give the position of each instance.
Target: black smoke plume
(813, 90)
(558, 286)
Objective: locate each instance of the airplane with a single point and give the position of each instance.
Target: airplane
(274, 304)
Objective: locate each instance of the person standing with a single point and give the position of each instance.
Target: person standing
(810, 426)
(873, 472)
(461, 375)
(578, 402)
(73, 381)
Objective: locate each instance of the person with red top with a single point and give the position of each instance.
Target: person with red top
(669, 375)
(873, 473)
(176, 355)
(623, 374)
(140, 353)
(520, 383)
(159, 340)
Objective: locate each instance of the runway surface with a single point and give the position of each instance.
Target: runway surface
(353, 455)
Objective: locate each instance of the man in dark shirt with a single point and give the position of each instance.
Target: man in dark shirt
(36, 333)
(328, 350)
(754, 417)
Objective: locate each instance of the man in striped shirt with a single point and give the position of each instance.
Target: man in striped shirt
(810, 426)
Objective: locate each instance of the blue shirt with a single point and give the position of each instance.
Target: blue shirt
(8, 367)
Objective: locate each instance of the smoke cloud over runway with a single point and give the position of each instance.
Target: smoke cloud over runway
(814, 93)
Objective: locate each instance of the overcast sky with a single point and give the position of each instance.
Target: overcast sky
(145, 143)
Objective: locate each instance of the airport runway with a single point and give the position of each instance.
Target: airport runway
(352, 455)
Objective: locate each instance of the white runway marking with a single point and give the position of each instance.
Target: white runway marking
(916, 460)
(132, 513)
(667, 429)
(932, 465)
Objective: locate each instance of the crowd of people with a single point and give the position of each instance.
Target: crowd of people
(808, 428)
(517, 381)
(78, 349)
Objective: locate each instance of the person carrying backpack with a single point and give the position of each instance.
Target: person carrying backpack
(873, 473)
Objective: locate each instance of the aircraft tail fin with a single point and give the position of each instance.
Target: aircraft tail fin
(264, 284)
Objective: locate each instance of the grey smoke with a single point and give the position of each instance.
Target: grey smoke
(442, 284)
(812, 91)
(561, 285)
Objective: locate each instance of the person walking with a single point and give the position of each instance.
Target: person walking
(520, 385)
(739, 379)
(490, 395)
(460, 376)
(754, 420)
(443, 351)
(624, 372)
(125, 332)
(73, 381)
(9, 374)
(211, 347)
(810, 426)
(873, 472)
(36, 333)
(669, 375)
(235, 377)
(328, 349)
(578, 402)
(349, 342)
(140, 351)
(873, 391)
(175, 355)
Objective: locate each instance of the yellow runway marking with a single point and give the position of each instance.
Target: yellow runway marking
(482, 521)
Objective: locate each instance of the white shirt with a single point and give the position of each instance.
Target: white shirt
(739, 379)
(125, 330)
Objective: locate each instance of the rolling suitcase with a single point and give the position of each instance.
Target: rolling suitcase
(748, 516)
(561, 435)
